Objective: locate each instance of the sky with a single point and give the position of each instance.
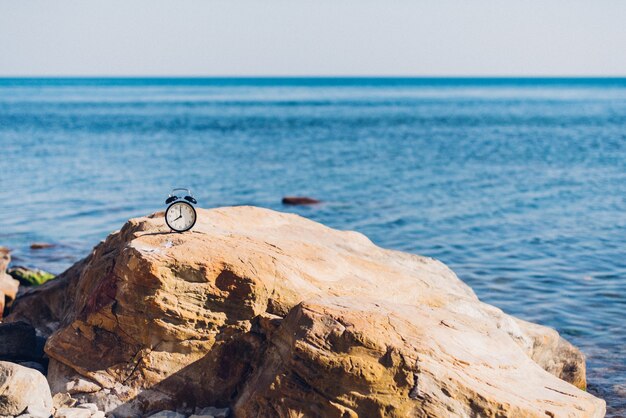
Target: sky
(313, 38)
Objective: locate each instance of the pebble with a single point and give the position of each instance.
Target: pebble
(92, 407)
(73, 413)
(63, 400)
(211, 411)
(299, 200)
(40, 245)
(167, 414)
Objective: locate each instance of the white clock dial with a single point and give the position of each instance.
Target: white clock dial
(180, 216)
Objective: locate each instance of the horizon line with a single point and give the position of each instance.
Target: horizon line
(329, 77)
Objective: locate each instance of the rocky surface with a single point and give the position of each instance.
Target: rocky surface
(23, 391)
(8, 285)
(275, 315)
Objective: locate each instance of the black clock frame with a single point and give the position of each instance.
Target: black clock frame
(195, 216)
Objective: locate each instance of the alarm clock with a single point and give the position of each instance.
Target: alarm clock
(180, 215)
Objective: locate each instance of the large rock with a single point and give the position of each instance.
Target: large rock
(275, 315)
(8, 285)
(22, 388)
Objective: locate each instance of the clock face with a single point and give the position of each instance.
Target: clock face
(180, 216)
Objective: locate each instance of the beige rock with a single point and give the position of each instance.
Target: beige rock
(554, 354)
(8, 285)
(63, 400)
(37, 412)
(343, 357)
(155, 320)
(91, 407)
(22, 388)
(72, 413)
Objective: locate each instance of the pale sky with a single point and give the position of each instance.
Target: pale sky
(316, 37)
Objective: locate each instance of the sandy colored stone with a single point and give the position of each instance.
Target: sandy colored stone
(63, 400)
(37, 412)
(264, 311)
(553, 353)
(72, 413)
(8, 285)
(91, 407)
(22, 388)
(342, 357)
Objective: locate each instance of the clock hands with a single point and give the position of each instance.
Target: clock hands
(180, 214)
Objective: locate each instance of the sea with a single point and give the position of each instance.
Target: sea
(519, 185)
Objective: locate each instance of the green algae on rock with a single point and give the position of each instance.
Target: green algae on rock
(30, 277)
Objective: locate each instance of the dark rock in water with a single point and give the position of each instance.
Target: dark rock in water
(30, 277)
(40, 245)
(8, 285)
(299, 200)
(19, 342)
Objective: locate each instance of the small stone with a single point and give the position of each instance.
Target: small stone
(40, 245)
(213, 411)
(90, 406)
(72, 413)
(299, 200)
(80, 385)
(63, 400)
(167, 414)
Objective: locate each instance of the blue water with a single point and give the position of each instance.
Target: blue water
(518, 185)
